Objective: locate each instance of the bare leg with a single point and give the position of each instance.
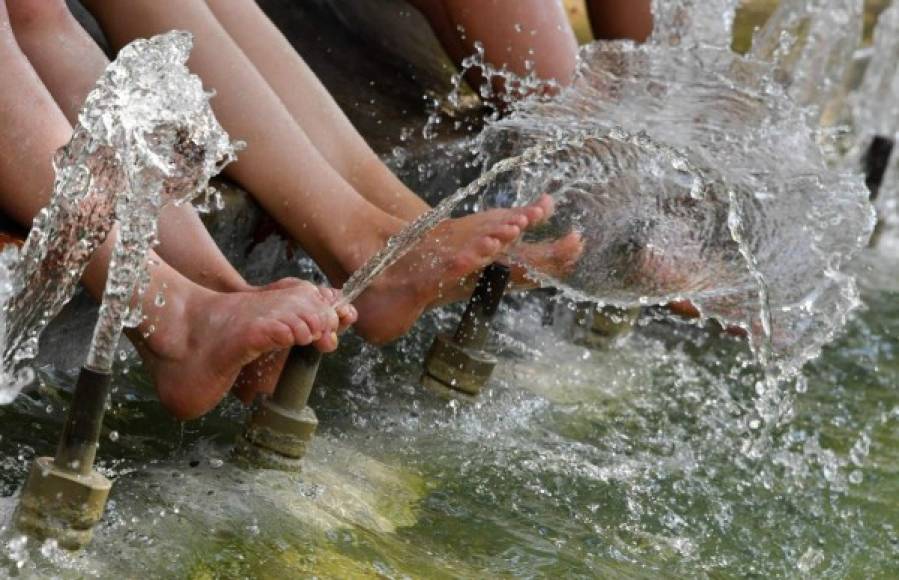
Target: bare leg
(332, 133)
(314, 109)
(204, 338)
(621, 19)
(513, 32)
(283, 169)
(69, 63)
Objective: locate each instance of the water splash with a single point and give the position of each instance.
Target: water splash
(403, 242)
(812, 43)
(761, 244)
(499, 91)
(145, 136)
(875, 107)
(12, 381)
(690, 22)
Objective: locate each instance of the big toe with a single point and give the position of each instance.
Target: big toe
(555, 259)
(539, 211)
(569, 249)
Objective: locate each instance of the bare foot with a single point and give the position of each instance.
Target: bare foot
(436, 270)
(555, 259)
(205, 338)
(261, 375)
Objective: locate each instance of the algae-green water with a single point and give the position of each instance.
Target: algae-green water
(630, 462)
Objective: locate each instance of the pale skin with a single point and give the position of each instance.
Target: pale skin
(514, 32)
(205, 337)
(313, 173)
(197, 279)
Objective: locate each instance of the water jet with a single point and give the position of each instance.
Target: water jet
(458, 366)
(157, 147)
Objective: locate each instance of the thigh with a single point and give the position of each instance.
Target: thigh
(621, 19)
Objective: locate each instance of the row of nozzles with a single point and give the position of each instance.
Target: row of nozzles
(64, 496)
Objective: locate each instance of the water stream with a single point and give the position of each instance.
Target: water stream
(145, 136)
(692, 173)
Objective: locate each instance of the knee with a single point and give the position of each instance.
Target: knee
(26, 14)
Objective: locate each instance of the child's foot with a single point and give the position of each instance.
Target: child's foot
(204, 338)
(551, 259)
(435, 271)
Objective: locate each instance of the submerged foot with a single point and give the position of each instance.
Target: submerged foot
(437, 270)
(205, 338)
(553, 260)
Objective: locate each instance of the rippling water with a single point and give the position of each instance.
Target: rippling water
(618, 463)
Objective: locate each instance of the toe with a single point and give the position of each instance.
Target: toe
(330, 320)
(489, 246)
(506, 233)
(302, 334)
(327, 343)
(347, 315)
(540, 211)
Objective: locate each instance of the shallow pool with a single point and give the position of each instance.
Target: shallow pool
(634, 461)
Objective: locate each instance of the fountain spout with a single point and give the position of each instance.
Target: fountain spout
(146, 137)
(875, 163)
(64, 497)
(282, 426)
(458, 366)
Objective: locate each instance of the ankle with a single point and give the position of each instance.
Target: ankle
(353, 254)
(167, 330)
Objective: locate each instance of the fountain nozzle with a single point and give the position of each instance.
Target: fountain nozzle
(458, 366)
(600, 327)
(876, 161)
(282, 426)
(64, 497)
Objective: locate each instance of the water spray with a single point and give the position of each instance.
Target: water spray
(146, 137)
(601, 326)
(282, 426)
(458, 366)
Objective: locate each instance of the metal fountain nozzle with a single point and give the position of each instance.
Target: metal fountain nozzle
(600, 327)
(64, 496)
(282, 426)
(458, 366)
(875, 163)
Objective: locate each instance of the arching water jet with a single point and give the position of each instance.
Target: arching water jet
(146, 137)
